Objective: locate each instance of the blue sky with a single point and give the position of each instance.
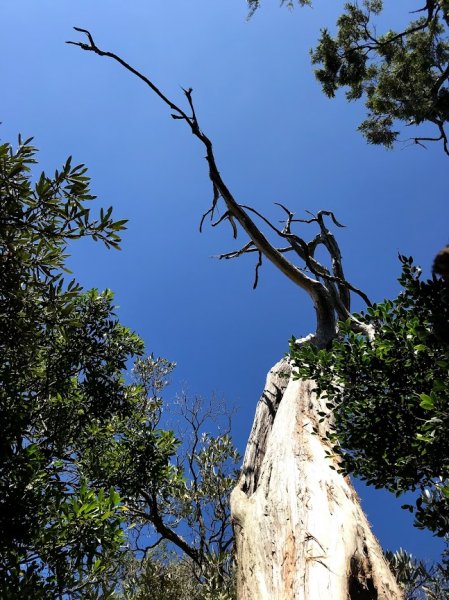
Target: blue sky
(276, 138)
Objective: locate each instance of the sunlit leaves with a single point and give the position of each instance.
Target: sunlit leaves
(419, 580)
(402, 75)
(389, 396)
(62, 384)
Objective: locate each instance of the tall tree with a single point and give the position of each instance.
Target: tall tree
(300, 531)
(389, 396)
(63, 354)
(83, 456)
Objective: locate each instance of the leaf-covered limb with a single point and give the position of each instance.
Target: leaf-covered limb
(167, 532)
(403, 75)
(399, 377)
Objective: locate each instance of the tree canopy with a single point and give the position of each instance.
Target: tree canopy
(86, 471)
(365, 330)
(388, 395)
(63, 355)
(401, 71)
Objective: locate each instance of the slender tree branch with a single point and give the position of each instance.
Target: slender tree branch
(92, 47)
(249, 247)
(155, 518)
(322, 293)
(258, 265)
(227, 217)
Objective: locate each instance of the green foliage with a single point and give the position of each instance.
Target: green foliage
(253, 5)
(389, 396)
(63, 352)
(83, 462)
(418, 580)
(402, 75)
(163, 575)
(128, 452)
(185, 501)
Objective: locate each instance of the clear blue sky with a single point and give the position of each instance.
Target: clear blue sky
(277, 138)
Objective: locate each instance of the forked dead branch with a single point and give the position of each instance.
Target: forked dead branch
(327, 286)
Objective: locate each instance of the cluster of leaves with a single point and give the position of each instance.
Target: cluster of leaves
(418, 580)
(185, 501)
(164, 575)
(403, 75)
(389, 395)
(128, 452)
(83, 459)
(63, 354)
(253, 5)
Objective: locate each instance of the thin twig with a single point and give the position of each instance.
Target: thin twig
(256, 276)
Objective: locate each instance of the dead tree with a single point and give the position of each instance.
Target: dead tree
(299, 530)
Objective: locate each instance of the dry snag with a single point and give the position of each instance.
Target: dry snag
(299, 530)
(328, 288)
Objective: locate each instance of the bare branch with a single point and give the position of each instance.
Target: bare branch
(264, 219)
(318, 218)
(227, 217)
(166, 532)
(237, 253)
(322, 288)
(290, 215)
(92, 47)
(237, 212)
(249, 247)
(442, 137)
(256, 276)
(306, 251)
(188, 94)
(234, 226)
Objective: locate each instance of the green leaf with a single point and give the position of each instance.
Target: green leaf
(427, 402)
(420, 348)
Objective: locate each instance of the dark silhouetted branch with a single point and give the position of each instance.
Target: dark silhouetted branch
(328, 291)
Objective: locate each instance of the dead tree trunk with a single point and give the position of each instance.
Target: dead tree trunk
(300, 532)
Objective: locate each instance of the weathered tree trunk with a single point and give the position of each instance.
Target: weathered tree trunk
(300, 531)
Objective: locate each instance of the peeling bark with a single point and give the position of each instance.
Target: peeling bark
(300, 531)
